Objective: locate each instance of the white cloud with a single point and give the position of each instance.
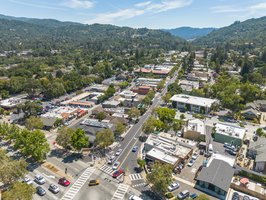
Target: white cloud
(107, 18)
(257, 7)
(226, 9)
(143, 4)
(36, 5)
(141, 8)
(78, 4)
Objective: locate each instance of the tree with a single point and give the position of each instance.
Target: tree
(166, 115)
(160, 177)
(161, 84)
(177, 125)
(64, 137)
(101, 116)
(34, 123)
(141, 163)
(166, 98)
(120, 128)
(79, 139)
(104, 138)
(32, 143)
(202, 197)
(133, 113)
(260, 132)
(20, 191)
(11, 170)
(31, 108)
(149, 125)
(182, 117)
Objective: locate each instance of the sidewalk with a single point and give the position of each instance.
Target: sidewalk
(185, 181)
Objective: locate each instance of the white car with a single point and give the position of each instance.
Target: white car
(190, 163)
(54, 188)
(173, 186)
(195, 156)
(118, 152)
(116, 165)
(27, 180)
(111, 160)
(39, 179)
(133, 197)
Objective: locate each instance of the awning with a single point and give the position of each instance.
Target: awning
(244, 181)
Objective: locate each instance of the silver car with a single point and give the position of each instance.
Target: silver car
(54, 188)
(39, 179)
(173, 186)
(119, 151)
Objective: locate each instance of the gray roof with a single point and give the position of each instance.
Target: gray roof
(260, 148)
(219, 173)
(48, 121)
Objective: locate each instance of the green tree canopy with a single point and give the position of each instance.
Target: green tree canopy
(104, 138)
(79, 139)
(21, 191)
(34, 123)
(64, 137)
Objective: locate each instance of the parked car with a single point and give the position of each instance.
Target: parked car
(39, 179)
(173, 186)
(246, 197)
(135, 148)
(118, 173)
(54, 188)
(111, 160)
(235, 196)
(202, 151)
(27, 181)
(63, 181)
(193, 196)
(133, 197)
(195, 156)
(40, 191)
(116, 165)
(183, 195)
(190, 163)
(118, 152)
(94, 182)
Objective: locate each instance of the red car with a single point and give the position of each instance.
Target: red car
(118, 173)
(64, 182)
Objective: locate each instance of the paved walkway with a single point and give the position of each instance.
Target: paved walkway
(185, 181)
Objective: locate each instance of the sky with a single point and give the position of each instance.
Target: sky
(139, 13)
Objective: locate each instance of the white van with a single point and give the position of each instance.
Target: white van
(133, 197)
(210, 149)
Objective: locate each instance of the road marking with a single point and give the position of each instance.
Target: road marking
(139, 185)
(120, 192)
(193, 170)
(106, 169)
(73, 190)
(134, 177)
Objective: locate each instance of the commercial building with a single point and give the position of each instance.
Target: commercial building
(195, 130)
(257, 150)
(215, 179)
(98, 88)
(152, 82)
(188, 86)
(166, 150)
(192, 103)
(12, 102)
(110, 104)
(229, 134)
(142, 90)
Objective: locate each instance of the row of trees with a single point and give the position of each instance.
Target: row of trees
(30, 143)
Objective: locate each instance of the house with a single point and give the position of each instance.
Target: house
(142, 90)
(188, 86)
(259, 105)
(257, 150)
(193, 103)
(225, 133)
(48, 122)
(215, 179)
(194, 130)
(250, 114)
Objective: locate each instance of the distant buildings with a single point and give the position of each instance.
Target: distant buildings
(12, 102)
(142, 90)
(231, 134)
(192, 103)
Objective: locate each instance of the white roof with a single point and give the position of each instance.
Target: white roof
(160, 155)
(196, 125)
(193, 100)
(230, 130)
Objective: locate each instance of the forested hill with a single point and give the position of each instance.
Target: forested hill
(249, 31)
(23, 33)
(189, 33)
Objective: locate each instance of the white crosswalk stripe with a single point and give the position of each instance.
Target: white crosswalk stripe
(106, 169)
(120, 192)
(134, 177)
(73, 190)
(139, 185)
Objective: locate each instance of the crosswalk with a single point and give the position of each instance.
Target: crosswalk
(139, 185)
(134, 177)
(106, 169)
(73, 190)
(120, 192)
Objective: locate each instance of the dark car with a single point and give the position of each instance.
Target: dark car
(135, 148)
(246, 198)
(193, 196)
(118, 173)
(235, 196)
(40, 191)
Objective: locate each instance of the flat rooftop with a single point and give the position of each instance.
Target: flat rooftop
(230, 130)
(196, 125)
(162, 156)
(193, 100)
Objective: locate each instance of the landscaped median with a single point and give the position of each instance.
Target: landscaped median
(55, 170)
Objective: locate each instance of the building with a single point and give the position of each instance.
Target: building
(257, 150)
(193, 103)
(142, 90)
(98, 88)
(259, 105)
(127, 94)
(12, 102)
(250, 114)
(110, 104)
(229, 133)
(166, 150)
(152, 82)
(48, 122)
(195, 130)
(215, 179)
(188, 86)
